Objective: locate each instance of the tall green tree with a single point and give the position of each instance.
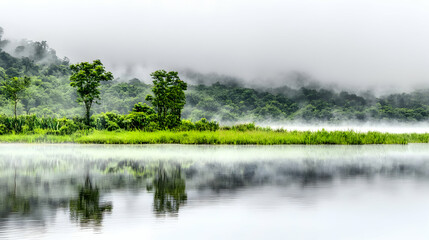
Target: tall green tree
(169, 97)
(14, 88)
(86, 78)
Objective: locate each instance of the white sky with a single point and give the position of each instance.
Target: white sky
(357, 43)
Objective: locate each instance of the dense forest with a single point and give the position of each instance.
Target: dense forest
(50, 95)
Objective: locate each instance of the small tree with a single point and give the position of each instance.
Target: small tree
(169, 97)
(86, 78)
(14, 88)
(143, 108)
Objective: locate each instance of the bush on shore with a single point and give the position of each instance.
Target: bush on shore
(110, 121)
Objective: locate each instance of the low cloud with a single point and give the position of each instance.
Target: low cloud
(354, 44)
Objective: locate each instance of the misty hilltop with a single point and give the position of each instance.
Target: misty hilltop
(212, 96)
(357, 44)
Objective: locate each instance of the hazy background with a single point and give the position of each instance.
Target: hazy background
(380, 44)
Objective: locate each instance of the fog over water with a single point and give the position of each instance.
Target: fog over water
(377, 44)
(72, 191)
(385, 127)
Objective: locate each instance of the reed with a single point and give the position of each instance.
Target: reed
(257, 137)
(233, 137)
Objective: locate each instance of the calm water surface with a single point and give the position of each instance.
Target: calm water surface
(214, 192)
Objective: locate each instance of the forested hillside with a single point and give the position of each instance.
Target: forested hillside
(50, 94)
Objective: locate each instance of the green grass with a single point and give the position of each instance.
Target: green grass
(36, 138)
(259, 137)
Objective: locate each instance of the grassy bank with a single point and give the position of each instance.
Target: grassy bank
(259, 137)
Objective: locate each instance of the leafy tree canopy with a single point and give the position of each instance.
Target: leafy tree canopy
(169, 97)
(14, 89)
(143, 107)
(86, 78)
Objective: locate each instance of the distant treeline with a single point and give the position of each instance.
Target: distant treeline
(50, 95)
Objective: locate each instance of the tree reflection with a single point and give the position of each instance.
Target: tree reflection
(12, 203)
(170, 190)
(87, 208)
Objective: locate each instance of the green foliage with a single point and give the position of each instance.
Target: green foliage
(109, 120)
(31, 123)
(139, 120)
(244, 127)
(259, 137)
(204, 125)
(86, 78)
(169, 98)
(52, 95)
(152, 127)
(229, 103)
(14, 89)
(143, 108)
(112, 126)
(67, 126)
(3, 129)
(186, 125)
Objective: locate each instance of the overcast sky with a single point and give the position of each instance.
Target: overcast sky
(357, 43)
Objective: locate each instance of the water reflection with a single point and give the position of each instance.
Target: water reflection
(35, 181)
(86, 208)
(15, 204)
(170, 190)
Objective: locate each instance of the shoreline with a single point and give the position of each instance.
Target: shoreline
(223, 137)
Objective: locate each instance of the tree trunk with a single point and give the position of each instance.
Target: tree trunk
(15, 109)
(88, 110)
(87, 115)
(16, 118)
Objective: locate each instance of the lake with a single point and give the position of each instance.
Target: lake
(70, 191)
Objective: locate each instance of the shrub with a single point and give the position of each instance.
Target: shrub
(52, 132)
(3, 129)
(244, 127)
(186, 125)
(112, 126)
(25, 129)
(204, 125)
(104, 121)
(143, 108)
(151, 127)
(67, 126)
(101, 121)
(138, 120)
(227, 128)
